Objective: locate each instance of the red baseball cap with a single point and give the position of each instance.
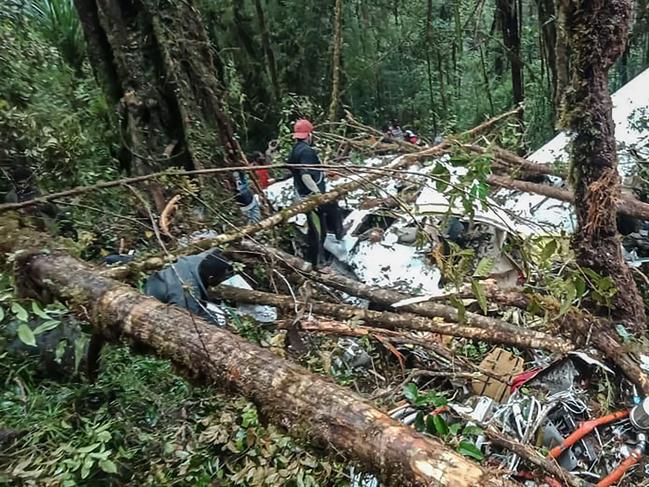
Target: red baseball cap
(302, 129)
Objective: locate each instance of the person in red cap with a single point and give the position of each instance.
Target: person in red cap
(310, 181)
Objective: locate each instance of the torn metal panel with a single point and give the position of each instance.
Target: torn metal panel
(631, 117)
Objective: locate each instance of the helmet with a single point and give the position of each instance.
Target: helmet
(302, 129)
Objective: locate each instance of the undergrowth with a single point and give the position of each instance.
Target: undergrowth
(140, 424)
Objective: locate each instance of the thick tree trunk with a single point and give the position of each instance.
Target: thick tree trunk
(336, 61)
(509, 335)
(170, 103)
(286, 393)
(596, 32)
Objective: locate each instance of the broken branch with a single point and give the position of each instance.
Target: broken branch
(387, 297)
(393, 321)
(286, 393)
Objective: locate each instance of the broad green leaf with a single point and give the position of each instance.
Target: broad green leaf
(484, 267)
(36, 309)
(79, 350)
(438, 425)
(580, 285)
(47, 326)
(108, 466)
(472, 430)
(454, 428)
(85, 468)
(420, 424)
(461, 309)
(469, 449)
(60, 350)
(443, 177)
(480, 295)
(26, 335)
(89, 448)
(2, 313)
(19, 311)
(411, 392)
(549, 249)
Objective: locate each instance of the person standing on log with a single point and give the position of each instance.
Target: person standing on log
(311, 181)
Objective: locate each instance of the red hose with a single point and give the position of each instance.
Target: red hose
(616, 475)
(583, 430)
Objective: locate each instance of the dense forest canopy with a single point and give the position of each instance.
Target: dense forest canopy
(363, 272)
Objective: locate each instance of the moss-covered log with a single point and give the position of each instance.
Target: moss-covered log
(306, 404)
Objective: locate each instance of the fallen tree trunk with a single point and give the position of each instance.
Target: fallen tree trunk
(388, 297)
(574, 323)
(285, 392)
(391, 321)
(509, 160)
(625, 205)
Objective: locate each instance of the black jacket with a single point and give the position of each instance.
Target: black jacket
(303, 153)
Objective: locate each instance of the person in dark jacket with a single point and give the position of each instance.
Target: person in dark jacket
(308, 182)
(185, 283)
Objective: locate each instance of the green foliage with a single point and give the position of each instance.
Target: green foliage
(59, 23)
(140, 423)
(423, 399)
(461, 436)
(51, 120)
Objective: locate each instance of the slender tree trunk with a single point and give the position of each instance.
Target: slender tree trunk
(597, 33)
(429, 68)
(307, 405)
(336, 61)
(442, 84)
(269, 54)
(510, 24)
(485, 77)
(548, 38)
(562, 52)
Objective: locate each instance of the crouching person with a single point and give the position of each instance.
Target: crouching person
(185, 283)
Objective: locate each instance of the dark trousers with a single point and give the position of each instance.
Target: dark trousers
(322, 220)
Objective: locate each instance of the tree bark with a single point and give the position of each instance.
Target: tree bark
(336, 61)
(289, 395)
(596, 32)
(510, 24)
(269, 54)
(170, 101)
(517, 337)
(625, 206)
(548, 35)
